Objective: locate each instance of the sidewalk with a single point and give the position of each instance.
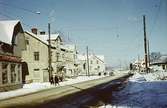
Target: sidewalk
(35, 87)
(46, 95)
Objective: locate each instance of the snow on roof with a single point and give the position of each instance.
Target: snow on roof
(83, 57)
(35, 36)
(7, 29)
(163, 59)
(70, 47)
(45, 37)
(100, 57)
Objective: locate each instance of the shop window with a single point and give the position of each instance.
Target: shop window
(13, 73)
(18, 72)
(4, 73)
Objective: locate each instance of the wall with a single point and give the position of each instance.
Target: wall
(37, 69)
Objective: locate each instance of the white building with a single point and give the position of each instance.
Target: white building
(69, 52)
(96, 64)
(12, 42)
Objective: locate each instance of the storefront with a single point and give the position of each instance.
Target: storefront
(10, 73)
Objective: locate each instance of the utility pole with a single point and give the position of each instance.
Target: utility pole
(148, 52)
(87, 53)
(49, 54)
(145, 44)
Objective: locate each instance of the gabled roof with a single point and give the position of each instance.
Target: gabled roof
(8, 30)
(52, 37)
(161, 60)
(36, 37)
(68, 47)
(84, 57)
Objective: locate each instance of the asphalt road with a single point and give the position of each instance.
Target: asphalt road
(75, 95)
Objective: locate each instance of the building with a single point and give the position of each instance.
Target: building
(161, 62)
(57, 60)
(12, 43)
(36, 57)
(96, 64)
(69, 53)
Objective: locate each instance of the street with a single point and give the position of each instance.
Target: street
(62, 95)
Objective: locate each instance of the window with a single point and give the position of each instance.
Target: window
(13, 73)
(19, 73)
(4, 73)
(98, 67)
(27, 42)
(84, 66)
(36, 69)
(57, 56)
(91, 62)
(36, 56)
(97, 62)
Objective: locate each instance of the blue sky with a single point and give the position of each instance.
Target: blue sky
(113, 28)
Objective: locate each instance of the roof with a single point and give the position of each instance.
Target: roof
(81, 57)
(69, 47)
(84, 57)
(7, 30)
(44, 37)
(36, 37)
(161, 60)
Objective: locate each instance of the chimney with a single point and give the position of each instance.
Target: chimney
(34, 30)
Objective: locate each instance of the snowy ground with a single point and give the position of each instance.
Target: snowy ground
(34, 87)
(142, 91)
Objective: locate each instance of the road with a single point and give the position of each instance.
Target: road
(63, 96)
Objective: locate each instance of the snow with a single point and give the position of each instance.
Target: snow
(142, 91)
(34, 87)
(6, 30)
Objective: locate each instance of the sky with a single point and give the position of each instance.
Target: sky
(113, 28)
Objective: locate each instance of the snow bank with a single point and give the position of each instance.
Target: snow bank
(158, 75)
(142, 91)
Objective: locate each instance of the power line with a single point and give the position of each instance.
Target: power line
(20, 8)
(12, 18)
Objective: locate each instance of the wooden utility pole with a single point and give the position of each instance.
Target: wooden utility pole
(87, 53)
(49, 54)
(148, 52)
(145, 44)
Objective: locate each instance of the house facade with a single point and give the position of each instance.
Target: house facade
(69, 53)
(12, 43)
(96, 64)
(36, 57)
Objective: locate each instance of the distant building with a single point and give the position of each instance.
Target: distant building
(69, 52)
(162, 62)
(12, 43)
(96, 64)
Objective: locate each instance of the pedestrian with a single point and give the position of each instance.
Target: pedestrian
(51, 80)
(56, 80)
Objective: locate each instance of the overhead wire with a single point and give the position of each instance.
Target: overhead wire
(16, 7)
